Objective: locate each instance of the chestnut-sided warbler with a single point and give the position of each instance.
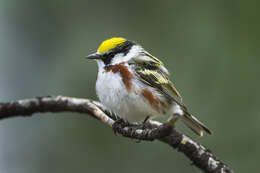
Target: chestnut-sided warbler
(134, 85)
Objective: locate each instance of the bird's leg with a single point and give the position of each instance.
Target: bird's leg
(143, 125)
(172, 120)
(146, 119)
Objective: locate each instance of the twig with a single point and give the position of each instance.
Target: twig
(198, 154)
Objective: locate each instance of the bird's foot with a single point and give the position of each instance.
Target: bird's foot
(119, 124)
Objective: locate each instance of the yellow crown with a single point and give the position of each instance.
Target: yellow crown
(110, 44)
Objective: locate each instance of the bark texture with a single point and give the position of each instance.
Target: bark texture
(199, 155)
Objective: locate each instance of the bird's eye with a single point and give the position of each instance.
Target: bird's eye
(107, 57)
(110, 55)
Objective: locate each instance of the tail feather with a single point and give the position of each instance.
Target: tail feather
(194, 124)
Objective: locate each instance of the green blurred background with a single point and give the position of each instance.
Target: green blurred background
(210, 47)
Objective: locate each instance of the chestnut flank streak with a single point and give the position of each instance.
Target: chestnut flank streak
(154, 101)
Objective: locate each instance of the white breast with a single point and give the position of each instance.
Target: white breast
(114, 95)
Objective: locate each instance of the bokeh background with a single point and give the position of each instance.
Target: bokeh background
(210, 47)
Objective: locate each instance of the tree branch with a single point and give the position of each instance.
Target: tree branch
(198, 154)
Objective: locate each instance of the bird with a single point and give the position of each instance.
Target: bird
(135, 85)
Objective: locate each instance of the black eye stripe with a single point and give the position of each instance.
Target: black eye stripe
(107, 58)
(125, 48)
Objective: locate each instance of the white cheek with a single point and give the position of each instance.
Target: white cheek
(134, 52)
(118, 58)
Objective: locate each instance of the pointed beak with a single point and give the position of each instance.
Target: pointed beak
(94, 56)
